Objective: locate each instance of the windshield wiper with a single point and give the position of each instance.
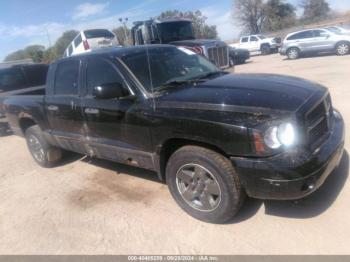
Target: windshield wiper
(176, 83)
(207, 75)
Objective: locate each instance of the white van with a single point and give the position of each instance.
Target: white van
(91, 39)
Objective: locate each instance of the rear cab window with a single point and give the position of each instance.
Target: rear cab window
(66, 78)
(12, 79)
(98, 33)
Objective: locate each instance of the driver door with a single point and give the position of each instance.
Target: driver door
(254, 44)
(113, 126)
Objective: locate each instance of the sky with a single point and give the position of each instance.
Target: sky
(24, 22)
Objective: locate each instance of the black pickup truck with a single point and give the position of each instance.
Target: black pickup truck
(212, 136)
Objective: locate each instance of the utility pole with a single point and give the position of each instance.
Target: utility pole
(123, 22)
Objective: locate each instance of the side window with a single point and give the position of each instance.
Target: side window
(101, 72)
(301, 35)
(66, 79)
(254, 39)
(77, 41)
(244, 40)
(320, 33)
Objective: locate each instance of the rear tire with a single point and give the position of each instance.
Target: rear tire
(265, 50)
(42, 152)
(204, 184)
(293, 53)
(342, 48)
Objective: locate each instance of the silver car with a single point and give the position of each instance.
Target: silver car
(315, 41)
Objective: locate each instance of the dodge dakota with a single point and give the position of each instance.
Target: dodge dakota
(213, 137)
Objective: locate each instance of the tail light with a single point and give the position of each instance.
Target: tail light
(86, 45)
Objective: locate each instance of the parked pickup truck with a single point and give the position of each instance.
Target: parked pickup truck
(259, 43)
(19, 79)
(212, 136)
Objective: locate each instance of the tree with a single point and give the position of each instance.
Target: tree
(34, 52)
(200, 27)
(63, 41)
(120, 33)
(315, 10)
(251, 14)
(279, 15)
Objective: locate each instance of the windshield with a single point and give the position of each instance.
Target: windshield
(261, 37)
(166, 65)
(96, 33)
(175, 31)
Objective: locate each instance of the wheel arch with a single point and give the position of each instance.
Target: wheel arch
(173, 144)
(26, 122)
(289, 48)
(342, 41)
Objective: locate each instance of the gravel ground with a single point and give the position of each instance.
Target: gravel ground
(90, 206)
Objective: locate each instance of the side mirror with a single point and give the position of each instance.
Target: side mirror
(108, 91)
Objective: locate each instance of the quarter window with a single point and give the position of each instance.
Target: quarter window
(320, 33)
(66, 80)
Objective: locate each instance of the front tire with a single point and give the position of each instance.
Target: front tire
(293, 53)
(204, 184)
(231, 61)
(42, 152)
(342, 48)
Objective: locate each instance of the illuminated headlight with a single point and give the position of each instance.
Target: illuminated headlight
(277, 136)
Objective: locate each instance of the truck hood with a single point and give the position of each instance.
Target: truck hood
(258, 93)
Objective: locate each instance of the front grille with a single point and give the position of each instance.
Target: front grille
(318, 121)
(219, 55)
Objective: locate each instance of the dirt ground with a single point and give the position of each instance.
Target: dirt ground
(97, 207)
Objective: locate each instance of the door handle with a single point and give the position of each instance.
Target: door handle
(92, 111)
(52, 108)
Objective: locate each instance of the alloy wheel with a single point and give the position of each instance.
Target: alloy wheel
(36, 148)
(343, 49)
(293, 53)
(198, 187)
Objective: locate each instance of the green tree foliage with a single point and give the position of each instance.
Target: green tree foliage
(63, 41)
(315, 10)
(120, 33)
(200, 27)
(279, 15)
(38, 53)
(34, 52)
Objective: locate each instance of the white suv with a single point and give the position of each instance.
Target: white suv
(91, 39)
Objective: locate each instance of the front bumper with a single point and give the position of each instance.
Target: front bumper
(295, 174)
